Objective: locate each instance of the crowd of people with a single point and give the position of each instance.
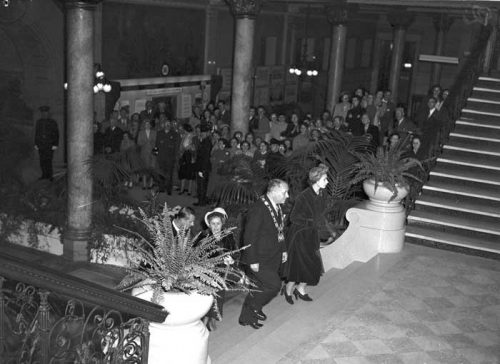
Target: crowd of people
(194, 151)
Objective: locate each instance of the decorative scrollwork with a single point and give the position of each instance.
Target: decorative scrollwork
(43, 327)
(245, 8)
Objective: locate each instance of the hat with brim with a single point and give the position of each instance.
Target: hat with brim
(217, 210)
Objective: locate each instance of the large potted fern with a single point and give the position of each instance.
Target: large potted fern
(385, 176)
(182, 274)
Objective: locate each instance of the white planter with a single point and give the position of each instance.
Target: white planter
(379, 197)
(182, 338)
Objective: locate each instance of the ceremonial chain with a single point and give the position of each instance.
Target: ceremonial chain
(279, 227)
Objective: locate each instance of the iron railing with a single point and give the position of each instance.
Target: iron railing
(49, 317)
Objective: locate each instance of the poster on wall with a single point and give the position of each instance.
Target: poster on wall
(261, 96)
(227, 78)
(139, 105)
(290, 93)
(186, 105)
(262, 76)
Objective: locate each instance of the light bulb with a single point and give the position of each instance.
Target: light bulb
(314, 73)
(291, 70)
(96, 90)
(65, 85)
(309, 73)
(298, 72)
(107, 87)
(99, 74)
(99, 85)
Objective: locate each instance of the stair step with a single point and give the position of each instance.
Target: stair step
(467, 173)
(448, 211)
(470, 189)
(450, 238)
(485, 93)
(471, 145)
(478, 135)
(483, 106)
(488, 82)
(480, 226)
(461, 203)
(484, 100)
(470, 159)
(477, 130)
(484, 123)
(479, 112)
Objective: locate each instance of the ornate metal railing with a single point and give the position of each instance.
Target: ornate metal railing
(463, 85)
(49, 317)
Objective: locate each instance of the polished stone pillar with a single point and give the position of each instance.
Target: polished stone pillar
(400, 21)
(337, 16)
(100, 97)
(245, 12)
(80, 109)
(442, 24)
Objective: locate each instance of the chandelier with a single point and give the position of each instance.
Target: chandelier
(305, 66)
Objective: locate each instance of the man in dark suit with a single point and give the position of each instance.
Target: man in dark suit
(113, 136)
(430, 122)
(225, 116)
(403, 126)
(371, 131)
(202, 164)
(167, 143)
(263, 231)
(387, 118)
(46, 141)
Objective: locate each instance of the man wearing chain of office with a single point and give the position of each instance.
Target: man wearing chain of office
(264, 232)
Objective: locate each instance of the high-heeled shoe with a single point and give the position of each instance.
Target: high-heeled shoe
(254, 325)
(288, 297)
(303, 297)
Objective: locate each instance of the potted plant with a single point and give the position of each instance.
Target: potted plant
(182, 274)
(385, 175)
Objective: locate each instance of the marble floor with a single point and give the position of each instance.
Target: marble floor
(420, 306)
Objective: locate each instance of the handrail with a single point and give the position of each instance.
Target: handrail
(77, 288)
(463, 85)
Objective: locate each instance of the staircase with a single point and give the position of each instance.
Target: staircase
(459, 207)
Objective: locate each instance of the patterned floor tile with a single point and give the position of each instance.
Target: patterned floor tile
(429, 343)
(417, 358)
(427, 315)
(449, 357)
(459, 341)
(341, 349)
(352, 360)
(359, 333)
(372, 347)
(318, 352)
(402, 345)
(468, 324)
(437, 303)
(387, 331)
(443, 328)
(485, 338)
(463, 300)
(480, 356)
(335, 337)
(416, 329)
(385, 359)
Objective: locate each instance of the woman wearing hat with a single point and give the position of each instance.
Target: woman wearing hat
(215, 220)
(304, 266)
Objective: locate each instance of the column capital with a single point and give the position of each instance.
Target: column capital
(81, 4)
(245, 8)
(442, 22)
(400, 18)
(337, 14)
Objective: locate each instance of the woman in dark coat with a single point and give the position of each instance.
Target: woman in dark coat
(215, 220)
(304, 266)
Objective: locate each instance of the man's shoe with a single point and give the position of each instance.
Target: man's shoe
(254, 325)
(260, 315)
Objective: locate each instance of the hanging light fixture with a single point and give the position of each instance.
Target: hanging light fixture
(305, 67)
(101, 83)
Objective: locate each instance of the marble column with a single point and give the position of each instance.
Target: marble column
(337, 16)
(100, 97)
(442, 24)
(245, 12)
(400, 21)
(80, 109)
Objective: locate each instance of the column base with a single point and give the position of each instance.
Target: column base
(76, 244)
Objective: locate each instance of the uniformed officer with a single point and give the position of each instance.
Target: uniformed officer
(46, 141)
